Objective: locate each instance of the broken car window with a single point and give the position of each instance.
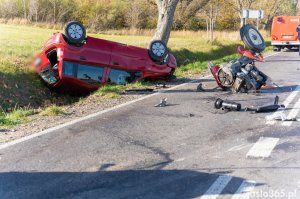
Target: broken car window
(90, 74)
(122, 77)
(86, 73)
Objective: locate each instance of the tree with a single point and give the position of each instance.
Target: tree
(186, 13)
(239, 6)
(211, 11)
(25, 9)
(34, 9)
(166, 11)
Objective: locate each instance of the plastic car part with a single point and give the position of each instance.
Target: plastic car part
(252, 38)
(227, 105)
(158, 51)
(74, 32)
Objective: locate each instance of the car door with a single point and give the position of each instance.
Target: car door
(127, 57)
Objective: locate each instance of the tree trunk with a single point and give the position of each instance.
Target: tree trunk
(25, 11)
(166, 10)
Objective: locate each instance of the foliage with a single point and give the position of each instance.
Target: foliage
(140, 14)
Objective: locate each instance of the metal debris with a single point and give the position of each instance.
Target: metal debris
(163, 103)
(269, 108)
(227, 105)
(139, 90)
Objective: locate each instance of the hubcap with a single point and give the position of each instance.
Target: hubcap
(158, 49)
(75, 31)
(255, 37)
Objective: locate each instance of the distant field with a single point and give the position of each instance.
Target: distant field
(20, 86)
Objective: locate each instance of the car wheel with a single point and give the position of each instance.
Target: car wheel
(74, 32)
(276, 48)
(158, 51)
(252, 38)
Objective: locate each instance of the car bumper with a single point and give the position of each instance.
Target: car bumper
(285, 43)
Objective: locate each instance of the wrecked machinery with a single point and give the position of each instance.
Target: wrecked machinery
(242, 75)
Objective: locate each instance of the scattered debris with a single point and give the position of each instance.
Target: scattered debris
(140, 90)
(161, 85)
(200, 87)
(227, 105)
(268, 108)
(163, 103)
(233, 106)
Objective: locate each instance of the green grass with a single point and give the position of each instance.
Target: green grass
(113, 91)
(53, 111)
(17, 116)
(198, 66)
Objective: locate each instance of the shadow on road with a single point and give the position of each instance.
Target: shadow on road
(183, 184)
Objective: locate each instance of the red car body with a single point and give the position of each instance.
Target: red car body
(96, 63)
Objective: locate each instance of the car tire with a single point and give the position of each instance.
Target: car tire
(276, 48)
(75, 32)
(252, 38)
(158, 51)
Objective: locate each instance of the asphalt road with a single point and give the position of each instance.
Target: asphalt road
(185, 150)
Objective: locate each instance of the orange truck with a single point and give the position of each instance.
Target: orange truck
(284, 33)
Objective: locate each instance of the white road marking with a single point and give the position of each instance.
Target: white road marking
(272, 54)
(263, 147)
(239, 147)
(244, 190)
(180, 160)
(50, 130)
(216, 188)
(293, 113)
(288, 100)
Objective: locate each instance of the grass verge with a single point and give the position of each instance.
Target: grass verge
(53, 111)
(17, 116)
(114, 91)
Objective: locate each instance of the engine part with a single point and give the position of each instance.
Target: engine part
(227, 105)
(238, 84)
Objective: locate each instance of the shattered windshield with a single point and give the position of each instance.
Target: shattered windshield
(49, 75)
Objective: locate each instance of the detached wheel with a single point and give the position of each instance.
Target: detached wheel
(252, 38)
(158, 51)
(75, 32)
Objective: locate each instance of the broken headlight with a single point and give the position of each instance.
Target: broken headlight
(37, 62)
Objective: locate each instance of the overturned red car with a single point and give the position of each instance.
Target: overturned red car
(70, 61)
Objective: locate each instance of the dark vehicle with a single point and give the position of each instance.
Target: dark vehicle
(70, 61)
(242, 75)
